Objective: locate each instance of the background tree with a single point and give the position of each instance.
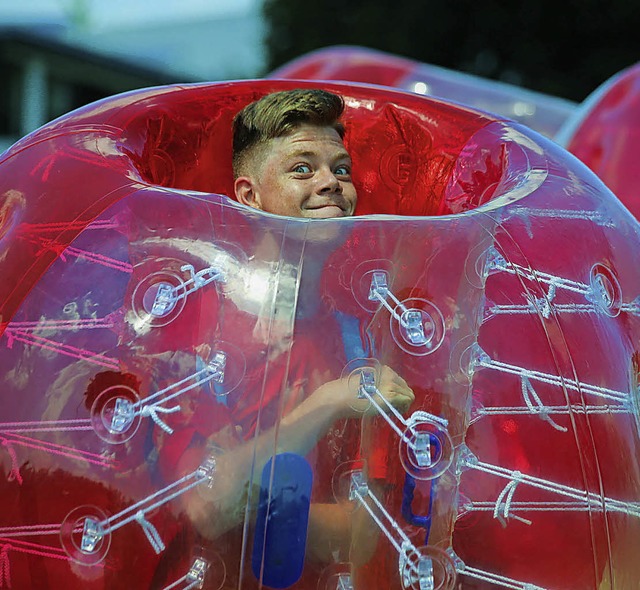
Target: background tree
(562, 47)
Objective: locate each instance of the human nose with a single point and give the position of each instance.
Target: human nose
(328, 181)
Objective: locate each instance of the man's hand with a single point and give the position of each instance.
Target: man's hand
(342, 394)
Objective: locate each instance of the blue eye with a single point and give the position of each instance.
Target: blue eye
(343, 171)
(302, 169)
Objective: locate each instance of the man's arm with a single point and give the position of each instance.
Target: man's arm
(342, 530)
(218, 509)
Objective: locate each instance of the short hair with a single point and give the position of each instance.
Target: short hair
(279, 114)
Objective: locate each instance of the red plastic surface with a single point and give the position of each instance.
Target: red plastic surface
(520, 261)
(541, 112)
(605, 135)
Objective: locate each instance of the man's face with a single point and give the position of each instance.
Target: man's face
(304, 174)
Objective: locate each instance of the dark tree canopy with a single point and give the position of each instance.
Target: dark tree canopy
(562, 47)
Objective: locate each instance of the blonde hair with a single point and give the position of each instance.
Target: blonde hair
(279, 114)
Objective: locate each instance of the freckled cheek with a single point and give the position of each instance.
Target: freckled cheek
(294, 198)
(352, 197)
(301, 192)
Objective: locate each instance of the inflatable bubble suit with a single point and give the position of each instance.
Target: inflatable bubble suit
(544, 113)
(604, 133)
(168, 358)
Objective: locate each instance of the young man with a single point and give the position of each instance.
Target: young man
(289, 158)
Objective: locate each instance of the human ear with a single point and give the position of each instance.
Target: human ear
(246, 193)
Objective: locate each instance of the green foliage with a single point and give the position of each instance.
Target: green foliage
(562, 47)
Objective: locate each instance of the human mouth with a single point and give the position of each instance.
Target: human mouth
(326, 212)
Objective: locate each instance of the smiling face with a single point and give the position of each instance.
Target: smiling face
(306, 173)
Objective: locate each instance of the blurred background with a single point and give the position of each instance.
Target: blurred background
(56, 55)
